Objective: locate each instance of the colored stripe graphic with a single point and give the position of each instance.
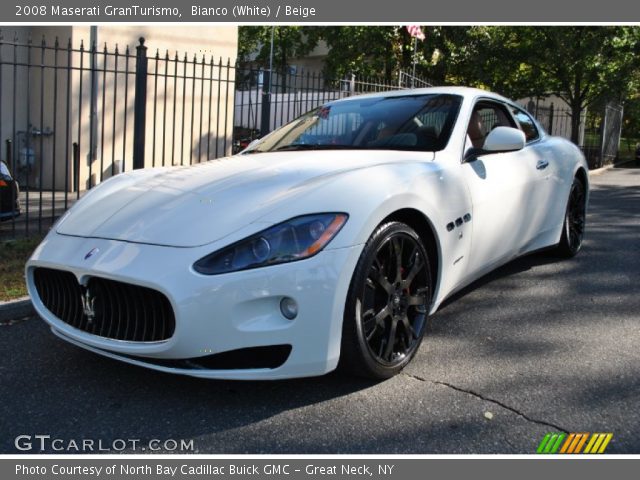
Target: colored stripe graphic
(556, 446)
(580, 443)
(570, 439)
(607, 439)
(551, 442)
(598, 443)
(594, 437)
(543, 443)
(573, 443)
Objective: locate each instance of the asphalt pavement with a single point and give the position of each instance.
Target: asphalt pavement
(538, 346)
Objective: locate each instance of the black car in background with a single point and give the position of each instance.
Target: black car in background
(9, 191)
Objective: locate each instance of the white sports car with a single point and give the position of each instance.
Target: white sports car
(326, 243)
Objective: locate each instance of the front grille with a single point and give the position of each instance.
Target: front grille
(106, 308)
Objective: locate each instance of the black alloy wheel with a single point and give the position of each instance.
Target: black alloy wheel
(388, 303)
(574, 221)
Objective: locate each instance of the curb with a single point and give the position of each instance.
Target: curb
(16, 309)
(599, 171)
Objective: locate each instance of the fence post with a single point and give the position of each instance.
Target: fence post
(9, 155)
(140, 106)
(265, 107)
(603, 135)
(76, 167)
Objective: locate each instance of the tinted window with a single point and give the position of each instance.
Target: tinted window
(527, 124)
(485, 117)
(408, 122)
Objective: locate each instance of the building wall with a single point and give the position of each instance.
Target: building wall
(45, 93)
(22, 88)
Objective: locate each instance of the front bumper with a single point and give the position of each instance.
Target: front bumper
(213, 313)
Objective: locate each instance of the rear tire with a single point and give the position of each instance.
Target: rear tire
(387, 305)
(574, 221)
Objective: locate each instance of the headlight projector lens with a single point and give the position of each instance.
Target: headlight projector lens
(261, 249)
(316, 229)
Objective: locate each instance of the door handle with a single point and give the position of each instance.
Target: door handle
(542, 164)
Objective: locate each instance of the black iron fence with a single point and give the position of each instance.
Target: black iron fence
(73, 116)
(265, 101)
(599, 132)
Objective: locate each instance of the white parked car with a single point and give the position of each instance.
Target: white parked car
(327, 243)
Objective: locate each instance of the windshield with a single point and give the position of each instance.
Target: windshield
(410, 122)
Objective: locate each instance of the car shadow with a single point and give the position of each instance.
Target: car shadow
(517, 266)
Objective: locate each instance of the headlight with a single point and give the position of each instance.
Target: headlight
(295, 239)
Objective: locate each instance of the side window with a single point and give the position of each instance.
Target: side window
(485, 117)
(527, 124)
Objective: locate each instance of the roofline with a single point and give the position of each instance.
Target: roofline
(455, 90)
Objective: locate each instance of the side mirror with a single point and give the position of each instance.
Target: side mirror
(499, 140)
(504, 139)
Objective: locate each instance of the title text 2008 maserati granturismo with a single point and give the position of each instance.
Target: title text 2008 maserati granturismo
(327, 243)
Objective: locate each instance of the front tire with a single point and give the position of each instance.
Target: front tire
(388, 303)
(574, 221)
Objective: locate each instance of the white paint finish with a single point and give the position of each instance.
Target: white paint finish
(152, 225)
(190, 206)
(504, 139)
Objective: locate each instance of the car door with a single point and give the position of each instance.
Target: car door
(500, 186)
(548, 195)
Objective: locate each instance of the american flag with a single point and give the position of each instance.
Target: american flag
(416, 31)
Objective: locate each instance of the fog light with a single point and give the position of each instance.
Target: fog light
(289, 308)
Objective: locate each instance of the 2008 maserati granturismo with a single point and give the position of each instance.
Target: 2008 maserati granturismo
(327, 243)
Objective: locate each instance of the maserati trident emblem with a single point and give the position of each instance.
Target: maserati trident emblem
(87, 305)
(91, 253)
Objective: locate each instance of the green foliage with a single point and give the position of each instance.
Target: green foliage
(579, 64)
(254, 44)
(13, 255)
(584, 65)
(379, 51)
(631, 120)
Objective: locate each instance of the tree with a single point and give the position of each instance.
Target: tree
(379, 51)
(440, 55)
(631, 122)
(581, 65)
(383, 51)
(254, 44)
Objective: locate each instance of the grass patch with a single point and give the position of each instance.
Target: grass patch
(627, 149)
(13, 255)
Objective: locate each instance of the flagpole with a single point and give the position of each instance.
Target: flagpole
(415, 49)
(273, 29)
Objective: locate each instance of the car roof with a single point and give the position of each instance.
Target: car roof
(462, 91)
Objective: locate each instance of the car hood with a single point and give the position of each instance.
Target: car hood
(197, 205)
